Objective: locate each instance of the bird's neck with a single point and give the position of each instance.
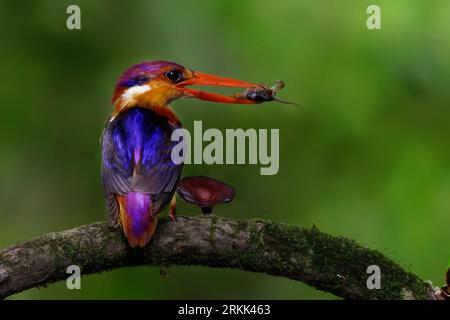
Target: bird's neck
(155, 97)
(164, 111)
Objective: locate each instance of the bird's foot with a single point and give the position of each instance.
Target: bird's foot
(173, 209)
(173, 213)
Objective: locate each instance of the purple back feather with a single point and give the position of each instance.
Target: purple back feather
(138, 205)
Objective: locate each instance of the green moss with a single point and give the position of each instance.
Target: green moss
(70, 250)
(333, 264)
(254, 255)
(240, 226)
(212, 230)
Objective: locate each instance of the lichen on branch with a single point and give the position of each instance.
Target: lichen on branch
(333, 264)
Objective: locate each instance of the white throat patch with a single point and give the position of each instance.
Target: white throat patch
(130, 94)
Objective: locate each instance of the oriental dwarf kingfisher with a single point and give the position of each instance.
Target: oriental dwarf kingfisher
(138, 175)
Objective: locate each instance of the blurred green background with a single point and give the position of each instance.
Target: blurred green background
(365, 156)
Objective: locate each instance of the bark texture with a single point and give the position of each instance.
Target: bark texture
(328, 263)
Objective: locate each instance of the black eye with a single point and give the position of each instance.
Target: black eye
(174, 75)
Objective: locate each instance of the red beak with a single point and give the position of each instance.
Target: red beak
(204, 79)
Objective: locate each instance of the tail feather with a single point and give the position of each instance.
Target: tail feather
(136, 219)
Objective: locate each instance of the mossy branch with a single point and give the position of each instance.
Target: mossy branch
(328, 263)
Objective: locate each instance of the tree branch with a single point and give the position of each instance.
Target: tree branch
(328, 263)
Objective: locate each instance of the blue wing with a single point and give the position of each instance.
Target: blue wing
(136, 157)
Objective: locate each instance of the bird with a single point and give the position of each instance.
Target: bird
(138, 175)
